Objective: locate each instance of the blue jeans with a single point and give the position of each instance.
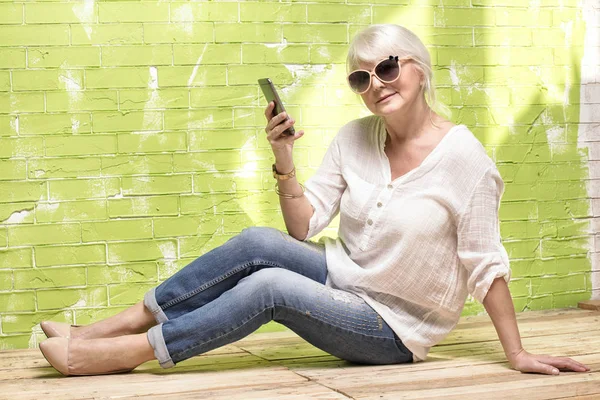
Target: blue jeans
(258, 276)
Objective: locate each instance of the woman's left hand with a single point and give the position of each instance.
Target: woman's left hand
(543, 364)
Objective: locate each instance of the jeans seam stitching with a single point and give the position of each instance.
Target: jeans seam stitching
(213, 282)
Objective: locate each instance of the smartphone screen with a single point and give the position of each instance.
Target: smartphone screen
(271, 95)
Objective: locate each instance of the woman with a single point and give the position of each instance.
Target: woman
(418, 200)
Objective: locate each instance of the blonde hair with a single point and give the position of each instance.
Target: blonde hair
(379, 41)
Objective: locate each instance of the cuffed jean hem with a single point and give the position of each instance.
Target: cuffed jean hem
(157, 341)
(152, 305)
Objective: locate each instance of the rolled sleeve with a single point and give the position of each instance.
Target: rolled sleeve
(479, 244)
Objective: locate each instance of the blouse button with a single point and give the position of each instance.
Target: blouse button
(379, 204)
(370, 222)
(389, 186)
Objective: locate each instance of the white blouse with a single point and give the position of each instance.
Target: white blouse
(413, 247)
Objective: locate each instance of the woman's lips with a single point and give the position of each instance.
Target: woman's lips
(385, 97)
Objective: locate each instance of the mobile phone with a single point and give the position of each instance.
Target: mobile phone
(271, 95)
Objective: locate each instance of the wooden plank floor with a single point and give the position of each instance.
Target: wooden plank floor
(469, 364)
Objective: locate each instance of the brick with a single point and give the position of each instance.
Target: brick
(391, 14)
(44, 234)
(152, 142)
(179, 32)
(137, 185)
(73, 189)
(487, 95)
(234, 223)
(113, 34)
(565, 247)
(573, 227)
(336, 13)
(564, 210)
(120, 56)
(133, 12)
(516, 36)
(248, 33)
(218, 140)
(153, 99)
(213, 12)
(22, 191)
(16, 213)
(225, 182)
(523, 249)
(34, 35)
(263, 54)
(53, 124)
(49, 278)
(208, 203)
(13, 169)
(225, 96)
(6, 280)
(131, 165)
(143, 206)
(441, 36)
(131, 273)
(463, 16)
(115, 78)
(11, 14)
(9, 125)
(207, 161)
(25, 322)
(47, 79)
(16, 341)
(117, 230)
(81, 145)
(198, 119)
(189, 76)
(549, 285)
(513, 230)
(17, 301)
(466, 74)
(272, 12)
(17, 258)
(520, 287)
(196, 246)
(569, 299)
(523, 153)
(12, 57)
(88, 210)
(325, 53)
(63, 57)
(63, 167)
(4, 82)
(3, 238)
(127, 293)
(206, 53)
(315, 33)
(141, 251)
(169, 267)
(59, 13)
(22, 102)
(72, 298)
(500, 56)
(186, 226)
(523, 17)
(248, 74)
(88, 100)
(132, 121)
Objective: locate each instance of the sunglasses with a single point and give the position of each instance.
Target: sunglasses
(387, 71)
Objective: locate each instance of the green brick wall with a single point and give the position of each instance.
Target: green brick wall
(131, 135)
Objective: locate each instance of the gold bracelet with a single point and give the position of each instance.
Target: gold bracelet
(283, 177)
(290, 196)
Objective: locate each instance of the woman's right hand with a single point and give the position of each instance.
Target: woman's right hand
(276, 126)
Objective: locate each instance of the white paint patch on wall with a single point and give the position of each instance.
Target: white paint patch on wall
(85, 14)
(589, 127)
